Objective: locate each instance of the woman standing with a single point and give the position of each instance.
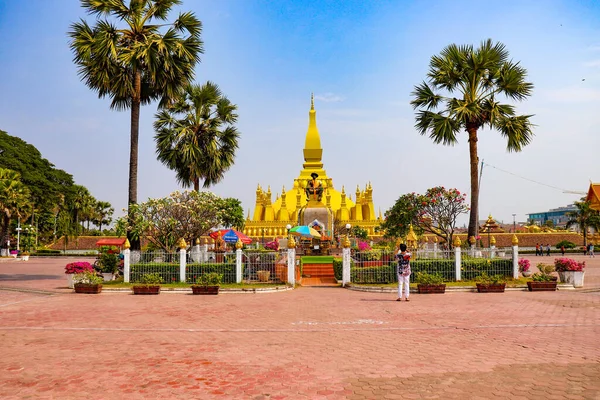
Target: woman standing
(403, 273)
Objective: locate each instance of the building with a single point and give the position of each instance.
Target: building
(270, 218)
(558, 216)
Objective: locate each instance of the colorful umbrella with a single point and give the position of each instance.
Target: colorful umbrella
(231, 236)
(303, 230)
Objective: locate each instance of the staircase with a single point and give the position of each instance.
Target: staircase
(318, 271)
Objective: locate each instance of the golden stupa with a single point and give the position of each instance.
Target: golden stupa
(271, 218)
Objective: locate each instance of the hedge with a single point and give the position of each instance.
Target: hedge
(169, 272)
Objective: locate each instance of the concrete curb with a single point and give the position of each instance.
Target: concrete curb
(221, 291)
(389, 289)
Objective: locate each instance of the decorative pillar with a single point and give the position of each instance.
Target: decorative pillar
(472, 242)
(291, 261)
(346, 261)
(457, 262)
(204, 249)
(182, 245)
(196, 255)
(126, 261)
(515, 246)
(238, 261)
(435, 247)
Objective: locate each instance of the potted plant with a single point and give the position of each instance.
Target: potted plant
(208, 283)
(76, 268)
(525, 267)
(490, 284)
(87, 282)
(25, 256)
(108, 263)
(150, 284)
(430, 283)
(263, 276)
(570, 271)
(542, 281)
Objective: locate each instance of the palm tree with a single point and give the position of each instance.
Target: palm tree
(584, 217)
(14, 198)
(142, 60)
(195, 135)
(103, 214)
(79, 204)
(477, 77)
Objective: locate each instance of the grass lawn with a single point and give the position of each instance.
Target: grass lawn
(120, 284)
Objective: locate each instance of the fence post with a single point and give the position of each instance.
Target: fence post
(182, 246)
(346, 262)
(126, 261)
(435, 248)
(457, 262)
(238, 261)
(515, 243)
(291, 261)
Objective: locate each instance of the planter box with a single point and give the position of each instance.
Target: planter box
(197, 289)
(541, 286)
(492, 288)
(87, 288)
(108, 277)
(263, 276)
(573, 277)
(154, 289)
(431, 288)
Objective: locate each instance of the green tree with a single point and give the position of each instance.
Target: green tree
(14, 198)
(232, 214)
(103, 212)
(135, 59)
(196, 136)
(584, 217)
(462, 94)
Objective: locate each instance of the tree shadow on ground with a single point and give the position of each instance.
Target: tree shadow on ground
(24, 277)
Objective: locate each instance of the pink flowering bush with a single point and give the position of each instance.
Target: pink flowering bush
(524, 265)
(363, 246)
(78, 267)
(568, 264)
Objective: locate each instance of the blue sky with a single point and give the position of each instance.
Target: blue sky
(361, 59)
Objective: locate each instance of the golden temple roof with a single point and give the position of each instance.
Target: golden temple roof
(593, 196)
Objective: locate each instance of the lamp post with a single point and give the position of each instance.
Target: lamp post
(18, 232)
(348, 227)
(288, 227)
(263, 237)
(514, 223)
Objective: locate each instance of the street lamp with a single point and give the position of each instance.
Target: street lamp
(288, 227)
(514, 223)
(348, 227)
(18, 232)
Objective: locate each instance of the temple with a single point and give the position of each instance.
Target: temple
(270, 218)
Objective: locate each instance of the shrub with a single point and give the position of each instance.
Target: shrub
(545, 269)
(568, 264)
(87, 278)
(108, 260)
(46, 251)
(429, 279)
(151, 279)
(78, 267)
(170, 272)
(539, 277)
(566, 244)
(210, 279)
(486, 279)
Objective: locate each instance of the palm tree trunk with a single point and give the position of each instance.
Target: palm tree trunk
(197, 184)
(133, 151)
(474, 161)
(5, 224)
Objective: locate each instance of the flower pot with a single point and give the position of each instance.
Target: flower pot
(491, 288)
(70, 281)
(108, 277)
(527, 274)
(423, 288)
(573, 277)
(198, 289)
(25, 258)
(541, 286)
(151, 289)
(263, 276)
(88, 288)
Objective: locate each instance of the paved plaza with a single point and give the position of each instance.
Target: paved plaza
(308, 343)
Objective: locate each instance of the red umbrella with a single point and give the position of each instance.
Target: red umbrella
(231, 236)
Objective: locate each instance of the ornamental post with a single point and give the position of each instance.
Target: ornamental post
(182, 245)
(238, 261)
(457, 261)
(346, 262)
(291, 261)
(126, 261)
(515, 246)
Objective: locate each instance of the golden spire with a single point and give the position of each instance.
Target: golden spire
(312, 145)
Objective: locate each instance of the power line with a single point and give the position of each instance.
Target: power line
(534, 181)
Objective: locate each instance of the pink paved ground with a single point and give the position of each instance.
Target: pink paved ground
(309, 343)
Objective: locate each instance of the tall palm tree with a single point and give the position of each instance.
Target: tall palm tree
(14, 198)
(584, 217)
(103, 214)
(461, 93)
(196, 136)
(79, 204)
(136, 58)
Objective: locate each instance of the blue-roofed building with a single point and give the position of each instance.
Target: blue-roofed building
(557, 215)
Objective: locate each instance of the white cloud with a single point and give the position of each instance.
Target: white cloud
(329, 97)
(595, 63)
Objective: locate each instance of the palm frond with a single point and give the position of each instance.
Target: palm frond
(517, 130)
(425, 97)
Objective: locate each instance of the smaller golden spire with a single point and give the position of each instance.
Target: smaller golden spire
(515, 241)
(472, 240)
(457, 242)
(126, 245)
(291, 242)
(239, 245)
(182, 244)
(197, 241)
(346, 242)
(312, 101)
(493, 241)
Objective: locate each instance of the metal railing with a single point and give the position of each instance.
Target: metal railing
(261, 266)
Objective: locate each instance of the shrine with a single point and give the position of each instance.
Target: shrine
(313, 200)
